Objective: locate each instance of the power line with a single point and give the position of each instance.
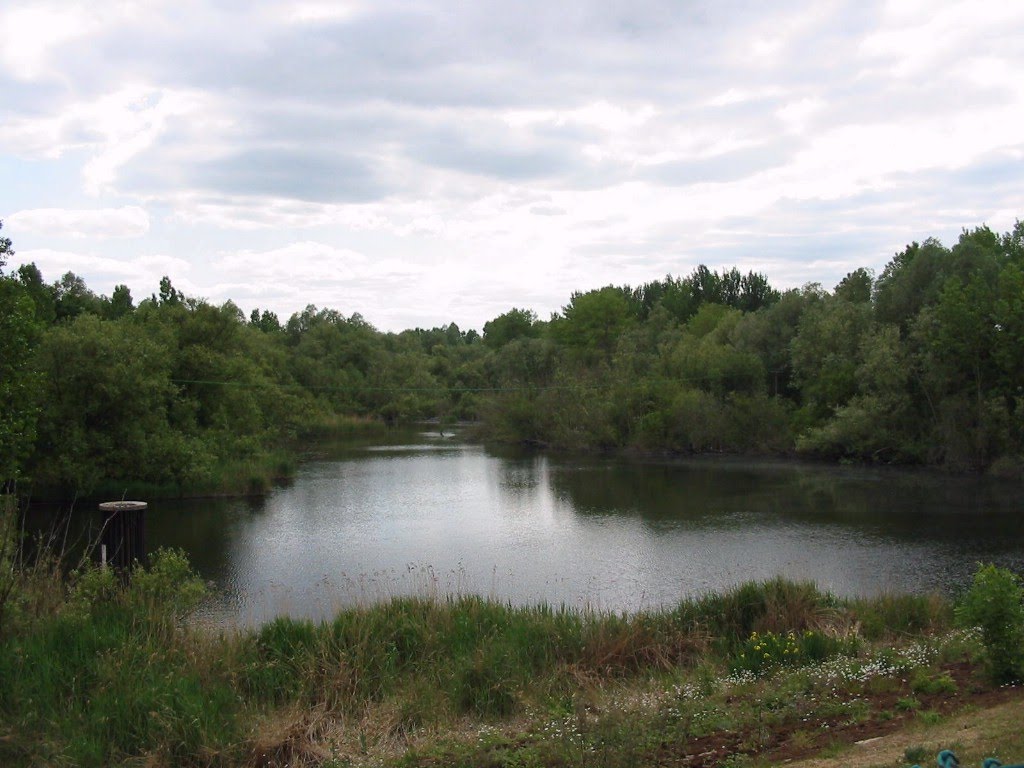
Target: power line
(362, 388)
(442, 388)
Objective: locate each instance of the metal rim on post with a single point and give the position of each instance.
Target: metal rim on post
(123, 506)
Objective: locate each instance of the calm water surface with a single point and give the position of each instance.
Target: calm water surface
(421, 514)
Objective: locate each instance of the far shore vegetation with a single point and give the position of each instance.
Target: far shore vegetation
(171, 395)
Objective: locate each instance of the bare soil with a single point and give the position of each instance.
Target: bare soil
(795, 743)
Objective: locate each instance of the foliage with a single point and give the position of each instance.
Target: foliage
(110, 672)
(925, 682)
(765, 651)
(593, 321)
(514, 324)
(9, 571)
(995, 603)
(19, 331)
(169, 584)
(19, 380)
(891, 616)
(777, 605)
(178, 396)
(111, 675)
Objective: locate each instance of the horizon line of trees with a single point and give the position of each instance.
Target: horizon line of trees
(922, 364)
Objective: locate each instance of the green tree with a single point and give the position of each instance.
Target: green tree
(827, 351)
(995, 603)
(909, 282)
(673, 294)
(592, 322)
(769, 332)
(107, 392)
(706, 286)
(119, 304)
(5, 250)
(72, 297)
(756, 293)
(957, 340)
(855, 287)
(334, 356)
(42, 295)
(19, 381)
(168, 293)
(512, 325)
(1008, 344)
(265, 321)
(880, 423)
(704, 357)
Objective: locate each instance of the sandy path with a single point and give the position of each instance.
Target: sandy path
(973, 734)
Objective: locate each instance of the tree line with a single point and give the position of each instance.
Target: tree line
(921, 364)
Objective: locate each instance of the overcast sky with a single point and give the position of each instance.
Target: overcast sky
(428, 162)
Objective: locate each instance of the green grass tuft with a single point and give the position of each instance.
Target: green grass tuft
(105, 673)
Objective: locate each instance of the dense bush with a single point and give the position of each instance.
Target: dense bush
(180, 396)
(995, 603)
(764, 651)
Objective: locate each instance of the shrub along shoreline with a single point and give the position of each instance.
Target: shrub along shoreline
(918, 365)
(96, 673)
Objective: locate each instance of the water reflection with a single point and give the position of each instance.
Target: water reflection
(422, 514)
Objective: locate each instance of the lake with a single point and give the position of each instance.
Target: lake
(418, 513)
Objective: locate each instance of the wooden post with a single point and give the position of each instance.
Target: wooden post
(124, 534)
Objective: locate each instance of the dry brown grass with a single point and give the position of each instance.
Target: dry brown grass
(638, 644)
(295, 736)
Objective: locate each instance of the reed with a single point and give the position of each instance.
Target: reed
(111, 674)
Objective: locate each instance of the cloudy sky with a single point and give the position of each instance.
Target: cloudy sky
(425, 162)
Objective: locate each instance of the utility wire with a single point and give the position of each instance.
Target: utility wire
(436, 388)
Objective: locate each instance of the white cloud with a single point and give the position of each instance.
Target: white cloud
(130, 121)
(127, 221)
(603, 115)
(311, 12)
(308, 261)
(416, 163)
(141, 274)
(796, 114)
(732, 96)
(919, 37)
(111, 129)
(250, 214)
(30, 33)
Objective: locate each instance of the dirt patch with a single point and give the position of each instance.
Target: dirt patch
(975, 733)
(884, 721)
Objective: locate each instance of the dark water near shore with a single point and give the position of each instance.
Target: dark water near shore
(416, 513)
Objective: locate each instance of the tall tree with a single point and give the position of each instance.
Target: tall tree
(512, 325)
(72, 297)
(120, 303)
(855, 287)
(592, 321)
(42, 295)
(19, 383)
(5, 250)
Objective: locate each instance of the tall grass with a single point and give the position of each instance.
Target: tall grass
(776, 605)
(110, 674)
(891, 616)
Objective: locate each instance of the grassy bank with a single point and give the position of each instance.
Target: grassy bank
(94, 674)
